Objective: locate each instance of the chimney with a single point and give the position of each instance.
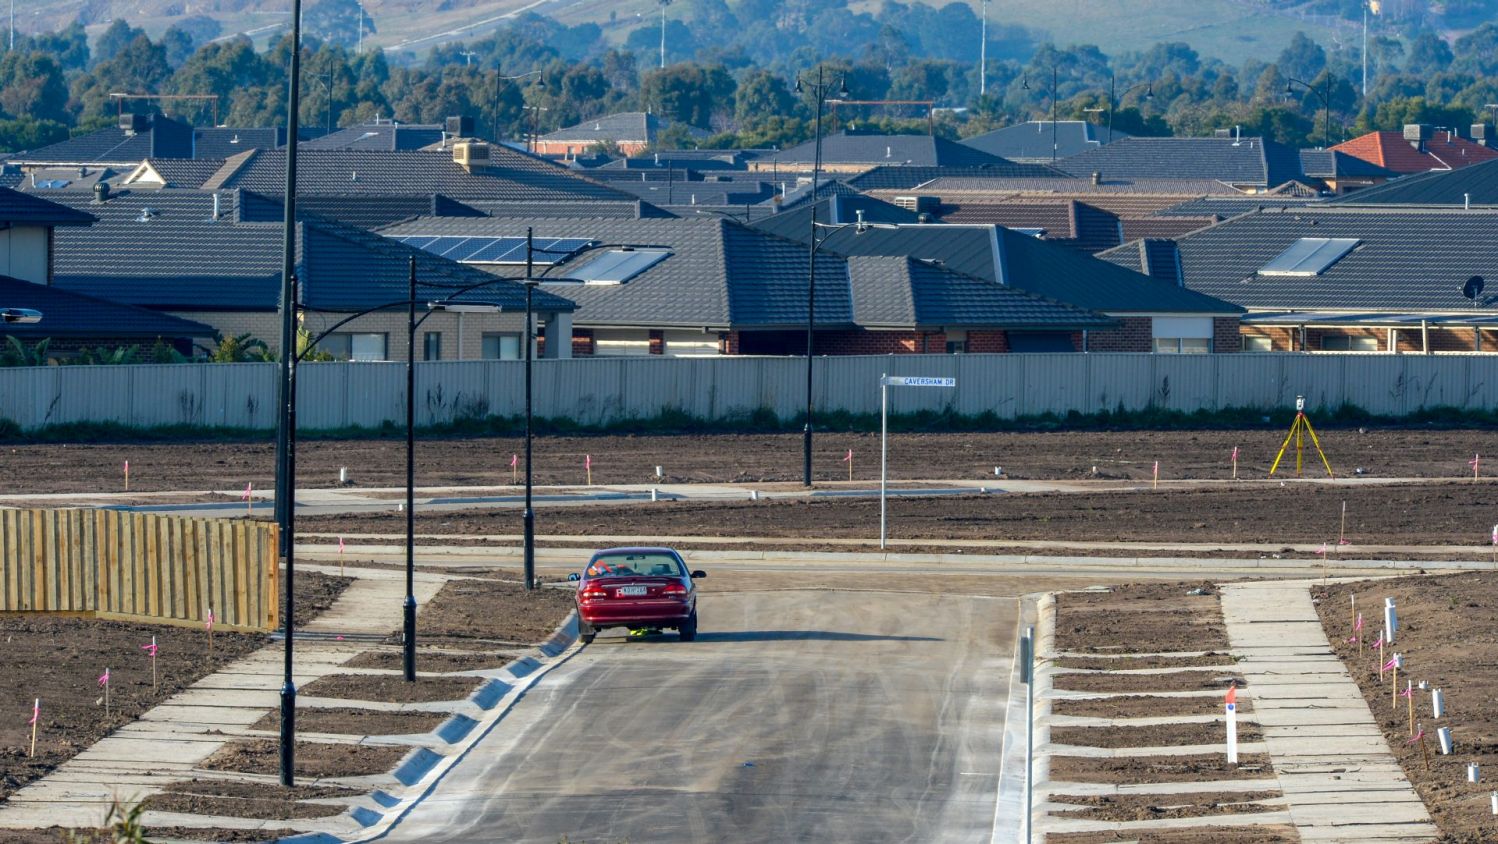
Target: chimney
(1417, 134)
(1097, 178)
(133, 124)
(472, 156)
(460, 127)
(1482, 133)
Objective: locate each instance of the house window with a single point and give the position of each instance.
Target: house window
(956, 342)
(1348, 343)
(1182, 345)
(356, 347)
(501, 346)
(431, 345)
(1258, 344)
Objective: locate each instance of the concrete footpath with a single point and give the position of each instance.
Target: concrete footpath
(168, 742)
(1331, 761)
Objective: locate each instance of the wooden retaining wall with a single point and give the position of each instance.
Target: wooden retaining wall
(140, 567)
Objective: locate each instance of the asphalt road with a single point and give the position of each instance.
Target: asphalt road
(798, 715)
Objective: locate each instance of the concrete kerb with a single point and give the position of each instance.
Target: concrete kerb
(1010, 802)
(420, 772)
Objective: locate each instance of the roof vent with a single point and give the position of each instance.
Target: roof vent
(146, 215)
(918, 204)
(460, 127)
(134, 124)
(101, 192)
(1417, 134)
(1097, 177)
(353, 176)
(889, 152)
(471, 155)
(1482, 133)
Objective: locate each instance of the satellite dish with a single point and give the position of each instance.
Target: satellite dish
(1473, 288)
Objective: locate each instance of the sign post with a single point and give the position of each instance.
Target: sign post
(885, 382)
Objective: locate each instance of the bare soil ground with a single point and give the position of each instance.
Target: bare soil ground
(491, 613)
(1454, 513)
(313, 759)
(1141, 618)
(1144, 706)
(355, 722)
(248, 800)
(60, 661)
(1127, 663)
(1151, 769)
(1158, 735)
(1195, 835)
(1182, 681)
(428, 661)
(391, 689)
(1189, 454)
(1148, 807)
(1448, 635)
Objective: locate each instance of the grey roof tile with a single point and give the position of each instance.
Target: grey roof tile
(897, 291)
(635, 126)
(1477, 184)
(25, 209)
(1244, 161)
(844, 148)
(904, 177)
(1035, 141)
(76, 316)
(382, 137)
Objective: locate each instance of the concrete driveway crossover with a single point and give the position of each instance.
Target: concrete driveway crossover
(795, 716)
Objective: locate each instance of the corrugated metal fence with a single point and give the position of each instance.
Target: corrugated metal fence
(139, 566)
(598, 390)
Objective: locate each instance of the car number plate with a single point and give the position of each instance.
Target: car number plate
(627, 591)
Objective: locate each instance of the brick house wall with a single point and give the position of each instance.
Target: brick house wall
(582, 342)
(881, 343)
(657, 342)
(1134, 334)
(1225, 335)
(728, 343)
(987, 342)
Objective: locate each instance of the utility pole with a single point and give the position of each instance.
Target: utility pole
(1365, 50)
(983, 54)
(12, 25)
(664, 4)
(361, 28)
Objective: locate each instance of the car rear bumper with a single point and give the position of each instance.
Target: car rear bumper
(636, 613)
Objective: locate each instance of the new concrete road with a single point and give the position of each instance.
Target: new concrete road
(801, 715)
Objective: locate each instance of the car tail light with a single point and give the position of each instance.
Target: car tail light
(593, 592)
(675, 590)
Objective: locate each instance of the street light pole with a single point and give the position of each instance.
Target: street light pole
(1326, 104)
(408, 640)
(529, 518)
(1149, 94)
(664, 4)
(983, 54)
(286, 419)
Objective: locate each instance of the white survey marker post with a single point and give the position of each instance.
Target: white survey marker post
(1231, 711)
(885, 382)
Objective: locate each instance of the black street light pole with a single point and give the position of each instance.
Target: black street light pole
(286, 419)
(1326, 104)
(1149, 94)
(530, 513)
(408, 640)
(498, 78)
(1055, 81)
(819, 93)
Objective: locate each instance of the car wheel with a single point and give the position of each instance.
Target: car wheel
(587, 638)
(688, 628)
(586, 632)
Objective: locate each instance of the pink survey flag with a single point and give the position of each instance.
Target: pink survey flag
(1359, 625)
(1418, 736)
(149, 649)
(1322, 549)
(1495, 534)
(1408, 692)
(340, 545)
(104, 678)
(36, 711)
(247, 487)
(1235, 454)
(587, 461)
(848, 456)
(209, 624)
(1393, 661)
(1476, 458)
(514, 460)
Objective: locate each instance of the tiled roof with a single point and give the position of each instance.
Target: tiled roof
(719, 274)
(1168, 227)
(843, 148)
(174, 172)
(1033, 141)
(1244, 161)
(1477, 185)
(385, 137)
(17, 208)
(1442, 151)
(1079, 186)
(631, 126)
(903, 292)
(365, 212)
(994, 253)
(1408, 259)
(75, 316)
(511, 176)
(837, 209)
(904, 177)
(1334, 164)
(163, 249)
(219, 142)
(1075, 224)
(1226, 207)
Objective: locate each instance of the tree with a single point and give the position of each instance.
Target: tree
(114, 40)
(1303, 59)
(26, 133)
(32, 87)
(1429, 53)
(761, 95)
(336, 21)
(1477, 51)
(178, 44)
(68, 47)
(688, 93)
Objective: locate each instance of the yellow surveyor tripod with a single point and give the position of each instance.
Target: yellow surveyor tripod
(1298, 429)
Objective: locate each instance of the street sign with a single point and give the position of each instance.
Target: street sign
(916, 381)
(885, 382)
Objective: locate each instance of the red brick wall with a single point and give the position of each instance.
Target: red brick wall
(1225, 336)
(1135, 334)
(987, 342)
(881, 343)
(582, 342)
(728, 343)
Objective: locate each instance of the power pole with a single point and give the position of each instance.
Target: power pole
(983, 54)
(664, 4)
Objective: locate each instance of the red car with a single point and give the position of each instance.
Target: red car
(638, 588)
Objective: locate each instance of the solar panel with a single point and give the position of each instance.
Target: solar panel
(496, 250)
(1309, 256)
(619, 266)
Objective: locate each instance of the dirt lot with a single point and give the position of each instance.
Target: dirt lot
(248, 800)
(61, 659)
(1141, 618)
(355, 722)
(1197, 835)
(391, 689)
(97, 467)
(313, 759)
(1150, 769)
(1448, 635)
(1453, 513)
(491, 613)
(1148, 807)
(1157, 735)
(1184, 681)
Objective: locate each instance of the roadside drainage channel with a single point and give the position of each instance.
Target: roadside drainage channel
(420, 771)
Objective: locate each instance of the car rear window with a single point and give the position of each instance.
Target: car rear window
(630, 565)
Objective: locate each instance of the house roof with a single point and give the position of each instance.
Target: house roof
(1032, 141)
(173, 172)
(1336, 164)
(220, 142)
(1444, 150)
(1258, 162)
(994, 253)
(1415, 260)
(1083, 186)
(383, 137)
(17, 208)
(511, 176)
(365, 212)
(897, 291)
(162, 137)
(1230, 206)
(74, 315)
(836, 209)
(719, 274)
(904, 177)
(164, 249)
(624, 127)
(845, 148)
(1477, 184)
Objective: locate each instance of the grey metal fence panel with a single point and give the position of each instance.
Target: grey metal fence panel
(161, 394)
(1249, 379)
(1120, 381)
(1316, 377)
(94, 394)
(1186, 382)
(243, 396)
(1436, 381)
